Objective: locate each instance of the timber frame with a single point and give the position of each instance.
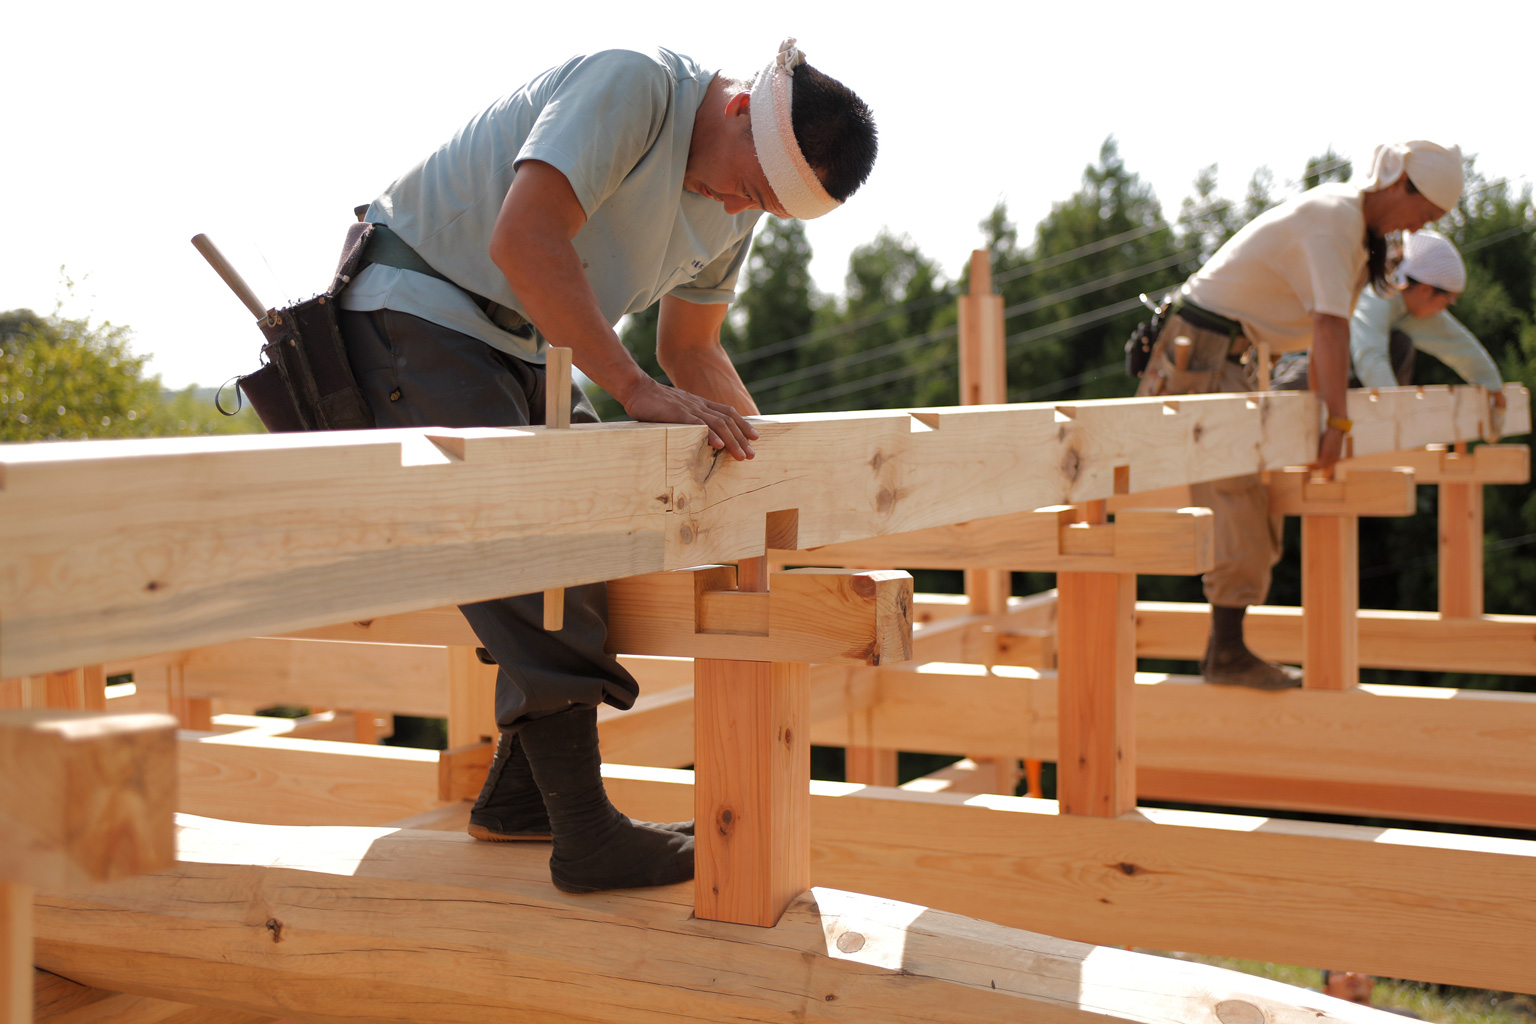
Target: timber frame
(323, 877)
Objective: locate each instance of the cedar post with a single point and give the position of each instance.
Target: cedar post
(1330, 601)
(752, 804)
(1096, 678)
(1461, 546)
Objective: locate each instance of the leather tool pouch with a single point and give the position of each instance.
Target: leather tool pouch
(305, 381)
(1138, 350)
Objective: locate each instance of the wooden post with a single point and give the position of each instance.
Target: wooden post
(1461, 547)
(751, 789)
(984, 381)
(1096, 680)
(16, 953)
(557, 416)
(1330, 601)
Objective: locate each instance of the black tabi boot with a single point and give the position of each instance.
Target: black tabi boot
(596, 847)
(1229, 661)
(510, 807)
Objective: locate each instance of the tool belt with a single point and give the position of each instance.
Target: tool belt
(305, 382)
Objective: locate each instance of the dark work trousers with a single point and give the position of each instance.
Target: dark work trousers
(414, 373)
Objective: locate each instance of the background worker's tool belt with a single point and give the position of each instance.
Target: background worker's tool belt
(305, 382)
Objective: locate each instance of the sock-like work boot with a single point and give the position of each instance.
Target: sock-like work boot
(1228, 660)
(510, 807)
(596, 847)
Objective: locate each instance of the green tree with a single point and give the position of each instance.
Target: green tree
(1071, 297)
(64, 379)
(1328, 167)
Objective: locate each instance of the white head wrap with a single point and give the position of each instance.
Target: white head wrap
(1432, 259)
(1434, 170)
(798, 189)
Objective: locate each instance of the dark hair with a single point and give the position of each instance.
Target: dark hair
(835, 130)
(1376, 262)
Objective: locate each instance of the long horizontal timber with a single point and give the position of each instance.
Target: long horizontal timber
(339, 924)
(61, 1001)
(1394, 751)
(212, 539)
(1159, 541)
(1405, 904)
(1420, 641)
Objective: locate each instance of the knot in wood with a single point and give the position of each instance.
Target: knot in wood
(1071, 465)
(1236, 1011)
(725, 821)
(1126, 868)
(685, 534)
(850, 942)
(884, 500)
(274, 926)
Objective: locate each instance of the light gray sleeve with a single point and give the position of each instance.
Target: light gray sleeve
(1443, 337)
(1370, 330)
(601, 118)
(717, 282)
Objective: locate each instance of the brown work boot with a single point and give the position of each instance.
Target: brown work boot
(1236, 665)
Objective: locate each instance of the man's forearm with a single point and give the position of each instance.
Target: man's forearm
(1328, 370)
(547, 277)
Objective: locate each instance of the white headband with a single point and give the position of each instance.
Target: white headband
(798, 189)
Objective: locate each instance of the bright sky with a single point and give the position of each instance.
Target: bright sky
(131, 127)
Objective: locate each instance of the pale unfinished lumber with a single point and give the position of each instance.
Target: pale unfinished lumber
(1165, 541)
(86, 796)
(486, 930)
(1421, 641)
(1430, 906)
(61, 1001)
(1382, 751)
(1367, 491)
(212, 539)
(834, 616)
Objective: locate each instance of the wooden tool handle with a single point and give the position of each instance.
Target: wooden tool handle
(231, 277)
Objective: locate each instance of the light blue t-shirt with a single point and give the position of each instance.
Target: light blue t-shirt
(618, 125)
(1441, 335)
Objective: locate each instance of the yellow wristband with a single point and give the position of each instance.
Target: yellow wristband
(1340, 424)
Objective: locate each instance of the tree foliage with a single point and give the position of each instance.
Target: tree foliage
(64, 379)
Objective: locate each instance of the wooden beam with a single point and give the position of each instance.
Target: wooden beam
(1439, 464)
(1421, 641)
(61, 1001)
(1379, 751)
(1452, 909)
(476, 934)
(86, 795)
(1371, 491)
(1161, 541)
(594, 502)
(273, 779)
(825, 615)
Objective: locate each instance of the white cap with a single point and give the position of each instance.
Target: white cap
(1432, 259)
(1434, 170)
